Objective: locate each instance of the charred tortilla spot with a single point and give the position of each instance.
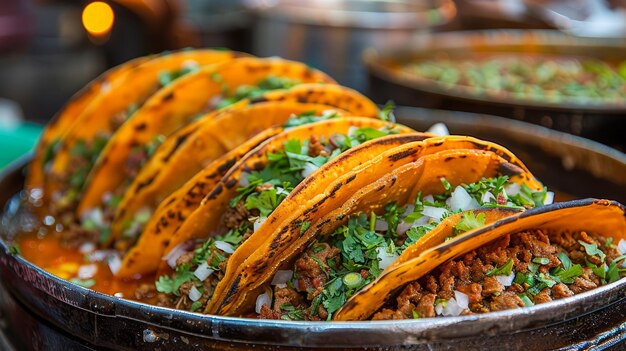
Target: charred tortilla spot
(400, 155)
(213, 194)
(224, 167)
(146, 183)
(509, 169)
(168, 97)
(448, 159)
(335, 189)
(323, 223)
(179, 141)
(140, 127)
(231, 183)
(351, 178)
(393, 180)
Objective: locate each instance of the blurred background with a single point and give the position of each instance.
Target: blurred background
(49, 49)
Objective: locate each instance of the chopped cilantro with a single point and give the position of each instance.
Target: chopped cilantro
(14, 250)
(506, 269)
(567, 263)
(593, 250)
(304, 227)
(469, 221)
(386, 113)
(195, 306)
(170, 285)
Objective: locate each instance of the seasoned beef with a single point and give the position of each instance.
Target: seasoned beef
(536, 263)
(312, 274)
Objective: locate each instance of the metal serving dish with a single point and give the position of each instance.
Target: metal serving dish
(41, 311)
(599, 121)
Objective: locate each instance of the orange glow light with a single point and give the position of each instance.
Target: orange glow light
(98, 18)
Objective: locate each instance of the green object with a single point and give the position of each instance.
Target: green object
(17, 141)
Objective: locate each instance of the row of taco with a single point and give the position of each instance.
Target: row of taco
(256, 186)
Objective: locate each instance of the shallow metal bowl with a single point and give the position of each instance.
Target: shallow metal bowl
(41, 311)
(601, 121)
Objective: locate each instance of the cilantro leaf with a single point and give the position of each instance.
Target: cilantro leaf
(593, 250)
(506, 269)
(469, 221)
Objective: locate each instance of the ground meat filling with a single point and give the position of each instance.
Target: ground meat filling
(518, 270)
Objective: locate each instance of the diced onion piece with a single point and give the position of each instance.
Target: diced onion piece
(621, 246)
(118, 294)
(434, 212)
(505, 280)
(452, 308)
(439, 308)
(461, 299)
(243, 179)
(281, 191)
(403, 227)
(95, 216)
(87, 271)
(439, 129)
(203, 271)
(174, 254)
(100, 255)
(460, 199)
(512, 189)
(428, 198)
(282, 277)
(487, 197)
(225, 247)
(87, 248)
(115, 263)
(282, 286)
(263, 299)
(194, 294)
(258, 223)
(385, 258)
(409, 209)
(549, 198)
(381, 225)
(308, 169)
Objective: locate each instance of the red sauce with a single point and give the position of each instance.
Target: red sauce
(48, 253)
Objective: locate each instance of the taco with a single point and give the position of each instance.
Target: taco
(252, 190)
(189, 149)
(189, 154)
(81, 144)
(530, 258)
(175, 106)
(399, 171)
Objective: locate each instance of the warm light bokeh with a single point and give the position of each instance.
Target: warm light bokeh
(98, 18)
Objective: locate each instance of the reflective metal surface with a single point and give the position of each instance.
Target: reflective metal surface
(60, 315)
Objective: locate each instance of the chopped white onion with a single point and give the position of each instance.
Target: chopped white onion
(87, 271)
(175, 253)
(461, 299)
(512, 189)
(381, 225)
(621, 246)
(282, 277)
(258, 223)
(263, 299)
(460, 199)
(282, 286)
(308, 169)
(95, 216)
(549, 198)
(439, 308)
(434, 212)
(505, 280)
(452, 308)
(428, 198)
(118, 294)
(224, 246)
(100, 255)
(281, 191)
(385, 258)
(420, 222)
(194, 294)
(115, 263)
(87, 248)
(243, 179)
(439, 129)
(351, 130)
(203, 271)
(409, 209)
(487, 197)
(403, 227)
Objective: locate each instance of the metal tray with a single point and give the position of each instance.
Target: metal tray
(40, 311)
